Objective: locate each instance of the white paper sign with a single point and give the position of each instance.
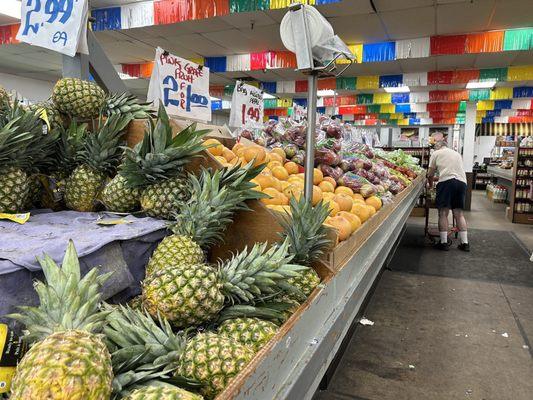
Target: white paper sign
(181, 85)
(246, 106)
(59, 25)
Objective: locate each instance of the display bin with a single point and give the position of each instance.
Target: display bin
(292, 363)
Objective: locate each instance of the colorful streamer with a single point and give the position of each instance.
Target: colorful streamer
(375, 52)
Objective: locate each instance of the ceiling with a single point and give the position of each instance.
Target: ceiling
(354, 21)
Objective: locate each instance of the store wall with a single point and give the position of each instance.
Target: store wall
(483, 147)
(219, 119)
(31, 89)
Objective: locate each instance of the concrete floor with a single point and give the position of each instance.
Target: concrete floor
(445, 337)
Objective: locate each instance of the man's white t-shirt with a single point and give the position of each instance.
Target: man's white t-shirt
(449, 163)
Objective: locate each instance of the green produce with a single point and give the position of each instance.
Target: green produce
(252, 332)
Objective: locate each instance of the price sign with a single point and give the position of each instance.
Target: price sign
(59, 25)
(181, 85)
(246, 106)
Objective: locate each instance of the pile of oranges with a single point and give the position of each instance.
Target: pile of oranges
(282, 179)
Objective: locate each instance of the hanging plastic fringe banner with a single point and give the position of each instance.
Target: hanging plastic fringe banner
(415, 79)
(479, 94)
(276, 4)
(327, 84)
(357, 51)
(239, 62)
(523, 91)
(500, 74)
(107, 19)
(419, 107)
(364, 98)
(248, 5)
(286, 87)
(448, 95)
(412, 48)
(465, 76)
(488, 42)
(390, 80)
(269, 87)
(374, 52)
(137, 15)
(440, 77)
(171, 11)
(346, 83)
(202, 9)
(216, 64)
(520, 73)
(382, 98)
(398, 98)
(281, 59)
(301, 86)
(501, 93)
(518, 39)
(453, 44)
(367, 82)
(8, 34)
(419, 97)
(485, 105)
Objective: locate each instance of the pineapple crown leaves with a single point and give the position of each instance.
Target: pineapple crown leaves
(67, 301)
(258, 273)
(101, 150)
(159, 156)
(267, 311)
(71, 142)
(126, 103)
(303, 228)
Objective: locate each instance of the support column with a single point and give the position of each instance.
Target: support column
(468, 148)
(76, 67)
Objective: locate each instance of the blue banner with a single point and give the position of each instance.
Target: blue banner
(107, 19)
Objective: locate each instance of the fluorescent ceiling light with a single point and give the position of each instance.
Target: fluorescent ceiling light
(268, 96)
(325, 93)
(397, 89)
(481, 84)
(124, 76)
(11, 8)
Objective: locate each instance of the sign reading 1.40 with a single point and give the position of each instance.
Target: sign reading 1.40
(57, 25)
(246, 105)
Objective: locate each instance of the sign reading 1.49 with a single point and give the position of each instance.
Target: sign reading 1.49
(246, 105)
(54, 24)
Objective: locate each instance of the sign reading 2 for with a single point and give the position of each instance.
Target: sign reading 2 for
(181, 85)
(54, 24)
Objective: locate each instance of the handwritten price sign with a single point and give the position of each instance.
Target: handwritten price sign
(246, 106)
(181, 85)
(59, 25)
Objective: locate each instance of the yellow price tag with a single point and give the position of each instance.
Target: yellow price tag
(113, 221)
(18, 218)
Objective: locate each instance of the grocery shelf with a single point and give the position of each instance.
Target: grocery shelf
(500, 172)
(293, 363)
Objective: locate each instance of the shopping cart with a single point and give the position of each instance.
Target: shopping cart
(431, 229)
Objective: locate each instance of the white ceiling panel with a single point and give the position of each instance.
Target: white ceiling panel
(464, 17)
(418, 64)
(391, 5)
(523, 58)
(200, 44)
(205, 25)
(494, 60)
(512, 14)
(233, 40)
(245, 20)
(110, 36)
(463, 61)
(220, 79)
(267, 76)
(162, 30)
(410, 23)
(264, 38)
(384, 68)
(346, 7)
(359, 28)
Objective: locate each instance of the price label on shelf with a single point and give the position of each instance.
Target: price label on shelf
(181, 85)
(246, 106)
(59, 25)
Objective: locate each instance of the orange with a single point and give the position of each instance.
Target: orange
(358, 201)
(345, 202)
(317, 195)
(333, 208)
(343, 227)
(275, 197)
(371, 210)
(293, 191)
(284, 199)
(374, 201)
(255, 153)
(295, 179)
(331, 180)
(236, 147)
(277, 184)
(273, 164)
(284, 184)
(362, 211)
(358, 196)
(280, 173)
(228, 154)
(266, 171)
(353, 219)
(265, 181)
(216, 148)
(266, 160)
(327, 196)
(326, 186)
(291, 167)
(344, 190)
(276, 157)
(280, 152)
(318, 176)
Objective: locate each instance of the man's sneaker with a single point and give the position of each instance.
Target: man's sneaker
(464, 247)
(443, 246)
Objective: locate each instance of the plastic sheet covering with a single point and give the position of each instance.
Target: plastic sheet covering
(281, 59)
(269, 87)
(300, 102)
(440, 77)
(275, 4)
(270, 103)
(259, 60)
(357, 51)
(500, 112)
(481, 113)
(448, 95)
(146, 69)
(443, 106)
(419, 107)
(346, 83)
(171, 11)
(479, 94)
(415, 79)
(229, 89)
(462, 106)
(486, 120)
(390, 80)
(277, 112)
(365, 98)
(402, 108)
(465, 76)
(248, 5)
(397, 98)
(453, 44)
(382, 98)
(387, 108)
(216, 91)
(321, 110)
(301, 86)
(523, 113)
(201, 9)
(523, 73)
(286, 87)
(419, 97)
(374, 52)
(500, 74)
(412, 48)
(106, 19)
(132, 70)
(518, 39)
(238, 62)
(327, 84)
(501, 93)
(216, 105)
(522, 104)
(404, 121)
(374, 108)
(523, 91)
(284, 102)
(137, 15)
(8, 34)
(368, 82)
(216, 64)
(488, 42)
(343, 110)
(485, 105)
(499, 104)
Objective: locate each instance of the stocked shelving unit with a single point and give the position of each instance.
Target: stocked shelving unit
(521, 195)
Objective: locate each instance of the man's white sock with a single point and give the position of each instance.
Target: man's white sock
(443, 237)
(464, 237)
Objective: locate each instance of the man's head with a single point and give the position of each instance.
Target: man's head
(440, 144)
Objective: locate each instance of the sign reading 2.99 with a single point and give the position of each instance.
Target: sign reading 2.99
(181, 85)
(246, 106)
(59, 25)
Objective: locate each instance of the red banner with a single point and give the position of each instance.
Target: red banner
(453, 44)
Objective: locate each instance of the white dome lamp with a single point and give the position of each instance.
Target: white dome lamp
(305, 32)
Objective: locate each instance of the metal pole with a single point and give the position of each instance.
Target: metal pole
(312, 80)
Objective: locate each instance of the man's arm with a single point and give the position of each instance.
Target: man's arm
(431, 170)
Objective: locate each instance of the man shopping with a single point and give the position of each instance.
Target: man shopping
(451, 192)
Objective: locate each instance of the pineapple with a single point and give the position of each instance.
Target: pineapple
(4, 98)
(203, 219)
(69, 359)
(52, 113)
(118, 197)
(162, 393)
(126, 103)
(252, 332)
(99, 158)
(155, 167)
(14, 189)
(78, 98)
(193, 294)
(208, 359)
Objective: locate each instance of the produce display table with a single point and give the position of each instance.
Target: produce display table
(506, 174)
(293, 363)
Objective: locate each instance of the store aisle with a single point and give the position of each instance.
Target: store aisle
(447, 325)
